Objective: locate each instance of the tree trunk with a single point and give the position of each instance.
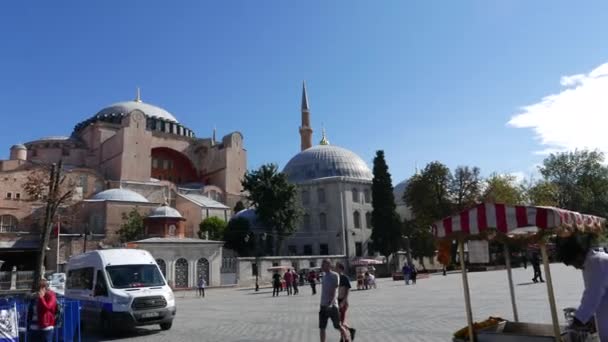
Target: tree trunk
(48, 222)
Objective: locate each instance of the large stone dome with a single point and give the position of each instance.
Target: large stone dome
(128, 106)
(399, 190)
(324, 161)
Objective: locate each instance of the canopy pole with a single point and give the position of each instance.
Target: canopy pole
(465, 285)
(556, 328)
(510, 276)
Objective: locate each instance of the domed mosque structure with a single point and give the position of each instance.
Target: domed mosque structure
(334, 186)
(128, 156)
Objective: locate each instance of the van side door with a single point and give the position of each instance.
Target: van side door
(100, 292)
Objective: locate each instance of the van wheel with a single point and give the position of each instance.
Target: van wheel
(166, 326)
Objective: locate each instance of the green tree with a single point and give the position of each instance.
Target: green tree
(581, 180)
(132, 226)
(275, 200)
(428, 194)
(386, 227)
(465, 187)
(503, 189)
(212, 228)
(540, 193)
(238, 207)
(238, 236)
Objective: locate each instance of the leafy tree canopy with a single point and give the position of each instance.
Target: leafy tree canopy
(275, 200)
(213, 227)
(132, 226)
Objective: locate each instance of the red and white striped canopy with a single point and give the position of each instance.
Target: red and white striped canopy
(506, 218)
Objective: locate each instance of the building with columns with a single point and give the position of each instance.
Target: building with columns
(130, 155)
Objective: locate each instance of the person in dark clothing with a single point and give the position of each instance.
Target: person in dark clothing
(295, 282)
(413, 274)
(276, 284)
(524, 260)
(312, 279)
(536, 266)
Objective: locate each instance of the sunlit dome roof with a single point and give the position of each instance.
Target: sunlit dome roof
(323, 161)
(18, 147)
(129, 106)
(165, 211)
(122, 195)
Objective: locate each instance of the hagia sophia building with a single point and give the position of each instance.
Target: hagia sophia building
(128, 155)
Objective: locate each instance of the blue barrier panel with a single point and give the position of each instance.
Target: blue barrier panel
(68, 327)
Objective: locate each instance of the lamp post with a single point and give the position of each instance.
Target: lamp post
(257, 259)
(408, 250)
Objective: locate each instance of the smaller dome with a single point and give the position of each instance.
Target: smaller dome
(122, 195)
(18, 147)
(251, 216)
(165, 211)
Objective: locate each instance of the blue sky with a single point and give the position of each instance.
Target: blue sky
(422, 80)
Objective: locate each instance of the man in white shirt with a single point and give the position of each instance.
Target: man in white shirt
(576, 251)
(329, 302)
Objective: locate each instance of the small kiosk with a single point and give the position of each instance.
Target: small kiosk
(500, 222)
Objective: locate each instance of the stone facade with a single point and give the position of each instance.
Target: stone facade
(334, 218)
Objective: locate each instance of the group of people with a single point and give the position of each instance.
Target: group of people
(291, 279)
(366, 281)
(410, 273)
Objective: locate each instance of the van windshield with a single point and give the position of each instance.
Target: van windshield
(130, 276)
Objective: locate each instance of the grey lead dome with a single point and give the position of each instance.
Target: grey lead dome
(128, 106)
(324, 161)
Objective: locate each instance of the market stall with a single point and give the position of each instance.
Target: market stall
(501, 222)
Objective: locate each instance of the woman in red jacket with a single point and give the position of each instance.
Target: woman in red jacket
(43, 318)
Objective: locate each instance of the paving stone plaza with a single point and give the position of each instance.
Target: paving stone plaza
(430, 311)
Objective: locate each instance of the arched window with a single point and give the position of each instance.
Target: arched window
(355, 195)
(323, 221)
(357, 219)
(321, 195)
(305, 197)
(306, 222)
(163, 266)
(202, 270)
(181, 273)
(368, 196)
(368, 219)
(8, 223)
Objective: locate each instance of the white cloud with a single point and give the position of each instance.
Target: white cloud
(576, 117)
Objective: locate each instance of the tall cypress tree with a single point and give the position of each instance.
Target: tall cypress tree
(386, 226)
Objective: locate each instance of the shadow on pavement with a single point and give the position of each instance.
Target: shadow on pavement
(94, 336)
(528, 283)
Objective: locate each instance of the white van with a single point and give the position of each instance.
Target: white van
(120, 288)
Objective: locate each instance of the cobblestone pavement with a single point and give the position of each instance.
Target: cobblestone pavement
(429, 311)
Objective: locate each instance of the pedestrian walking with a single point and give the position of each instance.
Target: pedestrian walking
(343, 292)
(414, 273)
(295, 282)
(312, 279)
(288, 277)
(276, 284)
(407, 273)
(329, 302)
(538, 275)
(42, 313)
(524, 260)
(201, 286)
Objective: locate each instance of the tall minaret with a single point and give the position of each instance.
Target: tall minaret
(305, 129)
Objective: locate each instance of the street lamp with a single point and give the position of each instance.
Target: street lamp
(257, 259)
(408, 250)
